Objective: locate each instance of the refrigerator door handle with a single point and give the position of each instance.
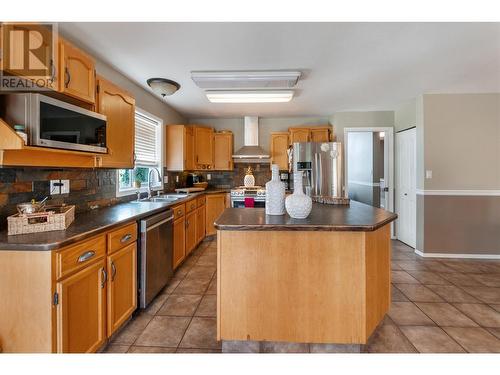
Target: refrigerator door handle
(320, 176)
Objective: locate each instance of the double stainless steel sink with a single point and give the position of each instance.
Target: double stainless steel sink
(167, 198)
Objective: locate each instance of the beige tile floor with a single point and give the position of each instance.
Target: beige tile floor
(438, 306)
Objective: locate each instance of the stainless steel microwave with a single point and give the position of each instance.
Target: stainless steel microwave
(53, 123)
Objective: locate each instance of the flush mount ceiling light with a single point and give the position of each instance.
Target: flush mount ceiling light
(163, 86)
(220, 80)
(247, 96)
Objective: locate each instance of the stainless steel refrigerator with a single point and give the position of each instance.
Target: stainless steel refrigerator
(321, 164)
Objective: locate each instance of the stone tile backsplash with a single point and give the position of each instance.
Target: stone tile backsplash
(222, 179)
(97, 187)
(88, 188)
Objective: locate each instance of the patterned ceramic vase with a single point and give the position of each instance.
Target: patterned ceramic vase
(298, 205)
(275, 193)
(249, 179)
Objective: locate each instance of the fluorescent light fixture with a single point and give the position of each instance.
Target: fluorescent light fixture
(264, 96)
(245, 80)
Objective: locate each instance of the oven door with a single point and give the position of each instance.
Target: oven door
(241, 204)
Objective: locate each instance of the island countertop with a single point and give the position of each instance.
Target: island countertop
(353, 217)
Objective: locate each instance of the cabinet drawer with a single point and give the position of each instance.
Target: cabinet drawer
(200, 201)
(77, 256)
(122, 237)
(179, 211)
(191, 206)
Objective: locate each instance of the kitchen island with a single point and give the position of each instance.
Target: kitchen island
(324, 279)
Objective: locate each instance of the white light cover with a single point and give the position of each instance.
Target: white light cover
(163, 88)
(265, 96)
(245, 80)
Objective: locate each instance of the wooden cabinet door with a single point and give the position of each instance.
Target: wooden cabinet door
(189, 149)
(215, 205)
(81, 310)
(190, 231)
(203, 147)
(119, 108)
(279, 147)
(179, 241)
(76, 73)
(320, 135)
(223, 151)
(200, 224)
(122, 286)
(299, 135)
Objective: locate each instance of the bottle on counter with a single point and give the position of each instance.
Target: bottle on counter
(275, 193)
(21, 131)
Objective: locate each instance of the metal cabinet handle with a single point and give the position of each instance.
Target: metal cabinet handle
(113, 271)
(187, 223)
(86, 256)
(52, 71)
(104, 277)
(67, 78)
(179, 212)
(126, 237)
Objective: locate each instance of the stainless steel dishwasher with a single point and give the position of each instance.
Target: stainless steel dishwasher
(155, 255)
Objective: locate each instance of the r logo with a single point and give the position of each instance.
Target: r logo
(28, 55)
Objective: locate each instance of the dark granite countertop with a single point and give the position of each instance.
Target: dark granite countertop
(355, 217)
(89, 223)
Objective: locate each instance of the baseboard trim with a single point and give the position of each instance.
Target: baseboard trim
(463, 256)
(468, 193)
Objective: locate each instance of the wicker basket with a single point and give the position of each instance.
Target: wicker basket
(54, 218)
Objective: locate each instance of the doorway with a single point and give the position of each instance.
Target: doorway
(369, 154)
(406, 198)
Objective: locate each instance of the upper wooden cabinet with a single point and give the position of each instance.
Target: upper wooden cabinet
(279, 147)
(310, 134)
(299, 135)
(119, 108)
(76, 73)
(203, 147)
(223, 151)
(179, 148)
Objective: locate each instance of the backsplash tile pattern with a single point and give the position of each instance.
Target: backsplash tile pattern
(88, 188)
(97, 187)
(222, 179)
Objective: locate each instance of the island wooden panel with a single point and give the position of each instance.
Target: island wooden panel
(298, 286)
(26, 304)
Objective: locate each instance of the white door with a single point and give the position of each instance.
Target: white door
(406, 203)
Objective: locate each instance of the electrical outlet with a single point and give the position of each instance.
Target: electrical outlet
(165, 179)
(55, 187)
(209, 176)
(428, 174)
(64, 186)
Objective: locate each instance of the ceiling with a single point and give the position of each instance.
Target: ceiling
(345, 66)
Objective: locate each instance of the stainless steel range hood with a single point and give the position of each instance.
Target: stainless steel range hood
(251, 152)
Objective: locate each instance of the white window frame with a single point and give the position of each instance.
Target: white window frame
(160, 146)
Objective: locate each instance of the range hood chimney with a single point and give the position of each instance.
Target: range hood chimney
(251, 152)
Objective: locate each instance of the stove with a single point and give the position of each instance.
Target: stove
(238, 195)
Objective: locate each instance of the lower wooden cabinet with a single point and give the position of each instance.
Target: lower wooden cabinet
(122, 286)
(179, 231)
(215, 205)
(81, 310)
(190, 232)
(200, 224)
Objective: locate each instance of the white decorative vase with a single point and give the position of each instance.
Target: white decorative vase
(298, 205)
(275, 193)
(249, 179)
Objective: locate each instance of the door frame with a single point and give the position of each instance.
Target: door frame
(389, 162)
(397, 206)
